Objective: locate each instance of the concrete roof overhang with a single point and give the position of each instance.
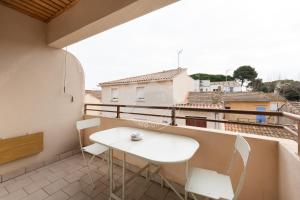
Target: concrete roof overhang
(91, 17)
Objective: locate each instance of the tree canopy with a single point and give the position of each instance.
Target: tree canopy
(245, 73)
(288, 88)
(211, 77)
(291, 90)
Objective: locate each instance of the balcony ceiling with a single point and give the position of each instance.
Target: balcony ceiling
(43, 10)
(70, 21)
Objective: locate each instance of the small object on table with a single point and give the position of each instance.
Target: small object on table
(136, 137)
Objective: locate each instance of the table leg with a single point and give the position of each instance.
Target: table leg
(186, 176)
(110, 173)
(123, 178)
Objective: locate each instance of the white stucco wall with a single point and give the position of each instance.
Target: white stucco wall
(88, 98)
(156, 93)
(182, 85)
(235, 89)
(31, 87)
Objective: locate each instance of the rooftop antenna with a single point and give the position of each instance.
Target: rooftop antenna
(178, 56)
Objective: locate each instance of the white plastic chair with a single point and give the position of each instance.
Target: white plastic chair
(213, 185)
(93, 149)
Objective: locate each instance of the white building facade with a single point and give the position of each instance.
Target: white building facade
(220, 86)
(166, 88)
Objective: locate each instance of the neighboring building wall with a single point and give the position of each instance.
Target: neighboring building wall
(88, 98)
(182, 85)
(31, 88)
(207, 86)
(156, 93)
(269, 106)
(233, 89)
(245, 106)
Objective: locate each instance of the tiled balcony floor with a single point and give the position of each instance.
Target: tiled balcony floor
(67, 179)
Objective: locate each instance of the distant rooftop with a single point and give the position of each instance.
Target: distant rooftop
(158, 76)
(218, 97)
(261, 130)
(253, 96)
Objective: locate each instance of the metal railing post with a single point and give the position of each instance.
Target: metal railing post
(118, 111)
(173, 116)
(85, 107)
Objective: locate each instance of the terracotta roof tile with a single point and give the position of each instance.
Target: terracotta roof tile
(201, 105)
(261, 130)
(158, 76)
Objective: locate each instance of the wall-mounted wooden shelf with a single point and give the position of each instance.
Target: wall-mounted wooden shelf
(12, 149)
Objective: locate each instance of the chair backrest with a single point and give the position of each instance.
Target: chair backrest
(243, 148)
(87, 123)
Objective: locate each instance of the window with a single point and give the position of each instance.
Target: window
(231, 89)
(140, 93)
(114, 94)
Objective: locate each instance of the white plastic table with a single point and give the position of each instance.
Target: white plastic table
(155, 147)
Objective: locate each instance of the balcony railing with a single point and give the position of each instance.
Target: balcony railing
(173, 109)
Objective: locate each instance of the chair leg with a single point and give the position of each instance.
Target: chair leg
(112, 166)
(89, 169)
(162, 183)
(186, 195)
(194, 196)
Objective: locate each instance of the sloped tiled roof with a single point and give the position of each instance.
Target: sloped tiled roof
(252, 96)
(204, 97)
(275, 97)
(158, 76)
(219, 97)
(201, 105)
(226, 83)
(261, 130)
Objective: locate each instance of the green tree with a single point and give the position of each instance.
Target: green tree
(245, 73)
(256, 85)
(211, 77)
(291, 91)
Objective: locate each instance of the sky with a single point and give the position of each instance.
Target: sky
(217, 36)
